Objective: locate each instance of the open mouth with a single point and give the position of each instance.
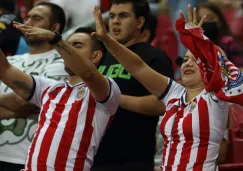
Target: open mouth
(116, 31)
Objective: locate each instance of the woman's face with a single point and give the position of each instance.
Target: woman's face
(190, 72)
(210, 15)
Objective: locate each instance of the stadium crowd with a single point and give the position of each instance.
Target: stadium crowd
(121, 85)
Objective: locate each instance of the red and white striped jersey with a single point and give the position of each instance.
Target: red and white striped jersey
(71, 125)
(192, 131)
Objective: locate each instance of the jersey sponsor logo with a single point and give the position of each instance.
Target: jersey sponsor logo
(115, 71)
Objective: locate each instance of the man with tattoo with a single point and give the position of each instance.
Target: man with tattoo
(74, 114)
(43, 60)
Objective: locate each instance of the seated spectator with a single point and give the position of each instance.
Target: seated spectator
(217, 29)
(9, 36)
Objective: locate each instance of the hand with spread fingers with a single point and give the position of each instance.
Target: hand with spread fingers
(34, 32)
(101, 32)
(192, 17)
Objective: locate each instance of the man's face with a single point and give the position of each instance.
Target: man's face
(83, 43)
(39, 16)
(122, 22)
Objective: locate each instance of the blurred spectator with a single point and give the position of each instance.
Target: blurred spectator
(149, 31)
(217, 29)
(9, 36)
(165, 38)
(77, 11)
(176, 6)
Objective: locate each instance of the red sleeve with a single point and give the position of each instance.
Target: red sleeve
(218, 73)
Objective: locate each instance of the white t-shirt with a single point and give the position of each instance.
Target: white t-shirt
(70, 126)
(17, 134)
(77, 11)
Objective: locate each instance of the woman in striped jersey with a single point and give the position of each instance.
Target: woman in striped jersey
(196, 114)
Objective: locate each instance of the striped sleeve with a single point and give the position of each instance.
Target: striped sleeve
(40, 86)
(218, 73)
(173, 90)
(111, 103)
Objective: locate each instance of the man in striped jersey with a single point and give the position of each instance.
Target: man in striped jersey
(74, 114)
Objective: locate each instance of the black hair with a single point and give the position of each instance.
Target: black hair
(151, 25)
(96, 43)
(58, 15)
(141, 8)
(225, 29)
(8, 5)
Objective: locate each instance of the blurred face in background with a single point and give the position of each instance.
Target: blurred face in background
(123, 24)
(211, 25)
(211, 17)
(39, 16)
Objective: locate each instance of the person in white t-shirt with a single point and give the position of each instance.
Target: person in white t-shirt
(74, 114)
(42, 60)
(77, 11)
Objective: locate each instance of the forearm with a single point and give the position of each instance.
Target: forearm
(14, 106)
(79, 64)
(6, 113)
(145, 105)
(131, 61)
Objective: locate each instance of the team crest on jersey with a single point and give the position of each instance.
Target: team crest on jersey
(192, 106)
(80, 92)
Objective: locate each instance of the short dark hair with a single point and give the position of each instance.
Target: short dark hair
(141, 8)
(8, 5)
(151, 25)
(58, 15)
(96, 43)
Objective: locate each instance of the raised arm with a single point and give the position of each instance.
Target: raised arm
(153, 81)
(13, 106)
(79, 64)
(218, 73)
(17, 80)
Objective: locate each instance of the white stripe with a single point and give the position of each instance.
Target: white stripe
(99, 123)
(170, 123)
(59, 132)
(196, 136)
(43, 130)
(234, 73)
(45, 98)
(78, 133)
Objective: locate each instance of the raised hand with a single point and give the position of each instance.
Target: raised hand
(101, 32)
(34, 32)
(192, 17)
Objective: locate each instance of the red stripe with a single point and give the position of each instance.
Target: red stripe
(204, 134)
(187, 146)
(176, 140)
(40, 125)
(86, 138)
(188, 135)
(55, 119)
(165, 119)
(67, 137)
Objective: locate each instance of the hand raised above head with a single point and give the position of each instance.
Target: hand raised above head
(192, 17)
(101, 32)
(34, 32)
